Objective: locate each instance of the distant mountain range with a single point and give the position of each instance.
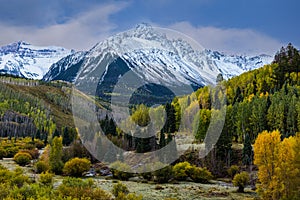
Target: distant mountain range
(153, 57)
(29, 61)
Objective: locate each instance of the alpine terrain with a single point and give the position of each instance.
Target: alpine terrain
(29, 61)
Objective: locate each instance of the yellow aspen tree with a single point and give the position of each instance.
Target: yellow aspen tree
(278, 165)
(286, 170)
(266, 152)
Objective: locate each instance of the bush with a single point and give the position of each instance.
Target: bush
(98, 193)
(76, 166)
(39, 144)
(181, 170)
(22, 158)
(130, 196)
(120, 170)
(241, 180)
(76, 188)
(41, 166)
(233, 170)
(163, 175)
(2, 153)
(11, 151)
(18, 178)
(200, 175)
(119, 188)
(33, 152)
(46, 178)
(146, 171)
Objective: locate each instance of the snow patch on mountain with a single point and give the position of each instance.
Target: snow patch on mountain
(29, 61)
(157, 56)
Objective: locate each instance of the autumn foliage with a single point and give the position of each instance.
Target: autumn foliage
(278, 165)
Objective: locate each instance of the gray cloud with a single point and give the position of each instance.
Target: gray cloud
(80, 25)
(80, 32)
(230, 40)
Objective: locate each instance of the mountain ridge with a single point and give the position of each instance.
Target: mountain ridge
(149, 54)
(142, 48)
(29, 61)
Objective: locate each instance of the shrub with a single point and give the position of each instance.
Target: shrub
(119, 188)
(241, 180)
(76, 166)
(200, 175)
(163, 175)
(33, 152)
(130, 196)
(41, 166)
(28, 146)
(2, 167)
(181, 170)
(98, 193)
(233, 170)
(39, 144)
(22, 158)
(11, 151)
(46, 178)
(120, 170)
(18, 178)
(146, 171)
(4, 192)
(2, 153)
(76, 188)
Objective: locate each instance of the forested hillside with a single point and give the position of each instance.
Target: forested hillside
(33, 108)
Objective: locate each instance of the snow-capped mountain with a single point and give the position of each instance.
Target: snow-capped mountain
(29, 61)
(156, 56)
(67, 68)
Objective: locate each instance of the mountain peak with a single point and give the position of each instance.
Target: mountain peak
(143, 26)
(29, 61)
(21, 42)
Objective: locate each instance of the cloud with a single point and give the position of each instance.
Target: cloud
(80, 32)
(230, 40)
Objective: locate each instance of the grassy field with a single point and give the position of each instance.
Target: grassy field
(215, 190)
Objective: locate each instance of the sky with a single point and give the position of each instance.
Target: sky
(230, 26)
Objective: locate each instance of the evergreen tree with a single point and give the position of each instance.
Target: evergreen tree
(112, 128)
(219, 78)
(38, 134)
(170, 124)
(247, 151)
(66, 136)
(162, 140)
(291, 117)
(238, 96)
(55, 133)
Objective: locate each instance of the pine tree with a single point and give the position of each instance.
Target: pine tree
(247, 151)
(55, 133)
(162, 140)
(238, 96)
(112, 128)
(291, 117)
(66, 136)
(38, 134)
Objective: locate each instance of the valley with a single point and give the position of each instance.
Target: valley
(207, 143)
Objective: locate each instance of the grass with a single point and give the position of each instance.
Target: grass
(153, 191)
